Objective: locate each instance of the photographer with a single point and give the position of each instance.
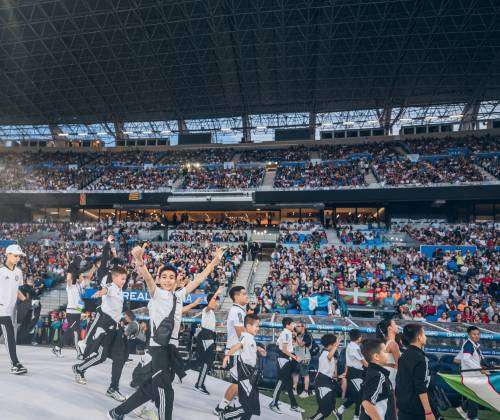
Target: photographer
(132, 330)
(303, 343)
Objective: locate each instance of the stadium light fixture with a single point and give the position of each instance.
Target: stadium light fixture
(63, 134)
(226, 129)
(101, 134)
(261, 128)
(327, 125)
(405, 120)
(457, 116)
(166, 132)
(147, 132)
(128, 132)
(348, 123)
(82, 134)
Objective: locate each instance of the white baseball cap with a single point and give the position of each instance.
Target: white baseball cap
(15, 249)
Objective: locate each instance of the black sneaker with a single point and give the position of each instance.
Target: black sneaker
(79, 376)
(218, 411)
(201, 389)
(113, 416)
(18, 369)
(115, 394)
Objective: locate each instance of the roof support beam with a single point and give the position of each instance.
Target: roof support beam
(247, 129)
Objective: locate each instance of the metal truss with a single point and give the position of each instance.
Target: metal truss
(89, 62)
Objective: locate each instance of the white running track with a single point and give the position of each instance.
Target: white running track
(49, 392)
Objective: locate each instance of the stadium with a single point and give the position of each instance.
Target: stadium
(337, 160)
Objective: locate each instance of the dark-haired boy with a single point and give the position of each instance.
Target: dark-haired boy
(355, 363)
(378, 401)
(205, 340)
(285, 358)
(326, 387)
(248, 390)
(105, 337)
(235, 327)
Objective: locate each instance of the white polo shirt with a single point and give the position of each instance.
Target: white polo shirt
(10, 281)
(75, 301)
(235, 318)
(112, 301)
(353, 356)
(160, 305)
(325, 366)
(285, 339)
(248, 352)
(208, 320)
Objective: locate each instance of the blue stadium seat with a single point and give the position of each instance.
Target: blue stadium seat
(293, 312)
(321, 312)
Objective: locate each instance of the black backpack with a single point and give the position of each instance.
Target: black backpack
(163, 333)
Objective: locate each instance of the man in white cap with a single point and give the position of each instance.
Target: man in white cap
(11, 277)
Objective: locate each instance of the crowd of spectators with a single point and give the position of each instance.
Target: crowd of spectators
(184, 157)
(114, 178)
(341, 152)
(350, 236)
(484, 235)
(132, 158)
(207, 236)
(322, 175)
(437, 145)
(233, 223)
(457, 170)
(491, 164)
(465, 288)
(291, 154)
(223, 179)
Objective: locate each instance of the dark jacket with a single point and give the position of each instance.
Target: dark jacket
(412, 379)
(377, 390)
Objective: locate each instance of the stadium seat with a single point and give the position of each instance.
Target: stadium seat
(293, 312)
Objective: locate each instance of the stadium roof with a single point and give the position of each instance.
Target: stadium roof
(128, 60)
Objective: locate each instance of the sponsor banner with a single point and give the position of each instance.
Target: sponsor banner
(143, 296)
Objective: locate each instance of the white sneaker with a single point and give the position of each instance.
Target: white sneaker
(295, 392)
(275, 408)
(462, 413)
(146, 413)
(298, 409)
(303, 394)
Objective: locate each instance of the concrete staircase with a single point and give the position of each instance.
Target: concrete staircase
(244, 274)
(485, 173)
(261, 274)
(370, 179)
(315, 155)
(331, 235)
(269, 178)
(54, 299)
(236, 158)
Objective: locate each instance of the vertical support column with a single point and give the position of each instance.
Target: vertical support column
(312, 126)
(119, 128)
(469, 120)
(247, 129)
(385, 120)
(181, 126)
